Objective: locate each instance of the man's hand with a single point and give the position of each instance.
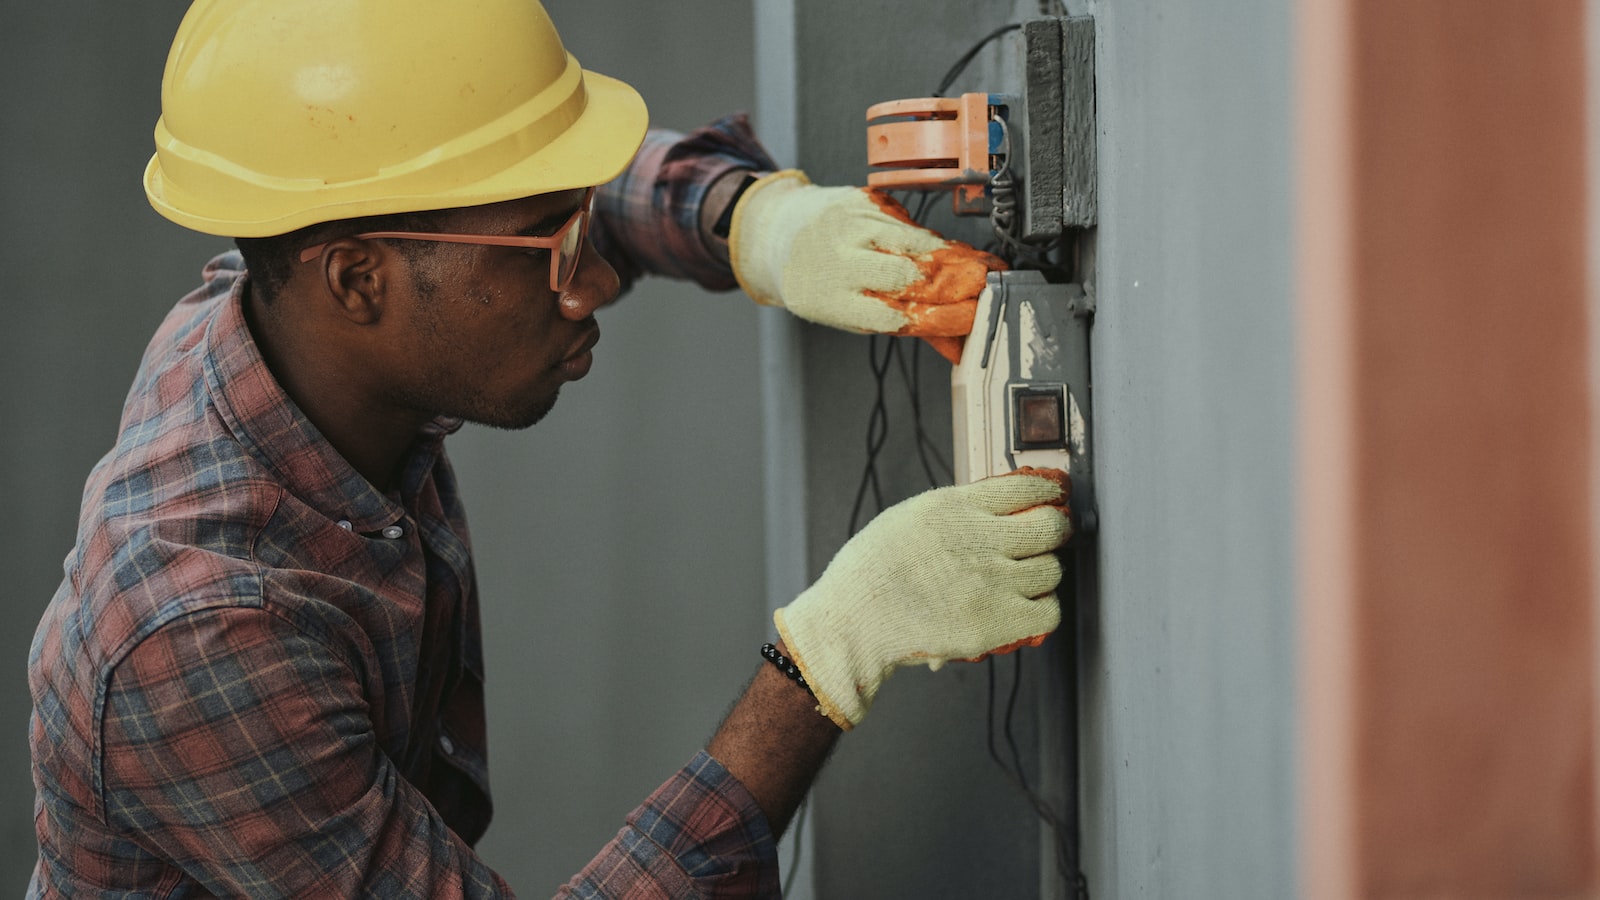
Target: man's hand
(852, 258)
(954, 573)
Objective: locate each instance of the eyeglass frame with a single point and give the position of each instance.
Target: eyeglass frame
(552, 242)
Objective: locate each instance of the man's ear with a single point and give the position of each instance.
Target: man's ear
(357, 275)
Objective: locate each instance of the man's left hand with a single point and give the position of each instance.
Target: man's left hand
(852, 258)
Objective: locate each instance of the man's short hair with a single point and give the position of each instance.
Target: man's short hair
(271, 260)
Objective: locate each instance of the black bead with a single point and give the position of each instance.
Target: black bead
(785, 665)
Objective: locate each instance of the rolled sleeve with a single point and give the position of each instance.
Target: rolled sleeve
(699, 835)
(647, 220)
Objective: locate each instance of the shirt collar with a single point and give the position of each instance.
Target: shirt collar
(269, 425)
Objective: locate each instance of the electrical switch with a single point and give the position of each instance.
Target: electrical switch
(1040, 419)
(1020, 395)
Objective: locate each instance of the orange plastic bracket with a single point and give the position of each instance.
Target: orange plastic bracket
(932, 143)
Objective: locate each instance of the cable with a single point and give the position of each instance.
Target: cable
(1003, 218)
(877, 429)
(1015, 774)
(878, 419)
(961, 63)
(927, 451)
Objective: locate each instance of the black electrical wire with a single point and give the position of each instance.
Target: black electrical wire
(966, 58)
(1015, 774)
(1003, 218)
(877, 429)
(928, 452)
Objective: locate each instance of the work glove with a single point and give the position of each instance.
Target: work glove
(954, 573)
(852, 258)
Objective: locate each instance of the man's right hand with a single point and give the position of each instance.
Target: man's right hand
(954, 573)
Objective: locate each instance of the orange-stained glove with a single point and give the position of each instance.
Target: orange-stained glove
(954, 573)
(852, 258)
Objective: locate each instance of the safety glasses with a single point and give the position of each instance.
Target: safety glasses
(565, 245)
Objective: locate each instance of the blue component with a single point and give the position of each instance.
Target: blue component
(999, 105)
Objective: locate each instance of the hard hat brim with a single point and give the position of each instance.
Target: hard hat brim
(596, 148)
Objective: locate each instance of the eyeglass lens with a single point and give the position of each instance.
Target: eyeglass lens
(571, 249)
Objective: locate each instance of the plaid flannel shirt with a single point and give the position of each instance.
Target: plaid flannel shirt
(666, 180)
(262, 676)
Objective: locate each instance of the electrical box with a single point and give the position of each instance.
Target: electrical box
(1020, 395)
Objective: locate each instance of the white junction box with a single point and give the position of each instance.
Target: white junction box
(1020, 396)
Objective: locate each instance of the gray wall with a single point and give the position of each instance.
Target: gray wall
(1189, 759)
(1188, 668)
(625, 528)
(86, 272)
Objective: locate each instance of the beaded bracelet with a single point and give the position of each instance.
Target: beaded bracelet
(769, 652)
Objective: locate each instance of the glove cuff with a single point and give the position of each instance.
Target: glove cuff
(750, 245)
(825, 693)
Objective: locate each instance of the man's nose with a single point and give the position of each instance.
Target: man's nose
(594, 285)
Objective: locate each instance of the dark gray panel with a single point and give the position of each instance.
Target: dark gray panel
(1043, 210)
(1080, 175)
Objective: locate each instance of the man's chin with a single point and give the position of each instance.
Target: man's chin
(514, 418)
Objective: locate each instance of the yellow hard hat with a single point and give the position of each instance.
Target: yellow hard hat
(277, 114)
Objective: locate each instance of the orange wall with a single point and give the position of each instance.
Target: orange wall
(1446, 575)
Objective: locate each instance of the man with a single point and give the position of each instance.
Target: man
(261, 675)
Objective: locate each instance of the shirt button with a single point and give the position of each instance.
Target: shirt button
(447, 745)
(394, 532)
(345, 524)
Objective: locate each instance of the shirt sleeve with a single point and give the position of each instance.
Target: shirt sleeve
(240, 748)
(647, 220)
(699, 835)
